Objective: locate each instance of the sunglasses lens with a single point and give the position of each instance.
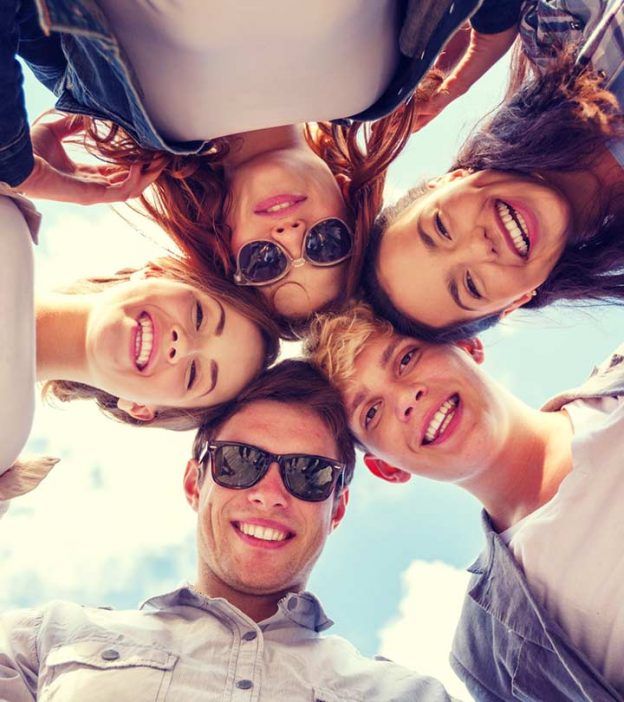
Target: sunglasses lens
(238, 466)
(261, 261)
(309, 478)
(328, 241)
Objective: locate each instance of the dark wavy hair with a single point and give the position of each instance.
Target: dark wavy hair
(291, 382)
(560, 120)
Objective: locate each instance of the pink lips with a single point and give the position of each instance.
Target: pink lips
(290, 202)
(450, 429)
(136, 334)
(531, 223)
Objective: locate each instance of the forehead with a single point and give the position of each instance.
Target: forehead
(280, 428)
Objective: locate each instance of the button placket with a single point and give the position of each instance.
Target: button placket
(248, 670)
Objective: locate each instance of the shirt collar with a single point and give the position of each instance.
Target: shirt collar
(302, 609)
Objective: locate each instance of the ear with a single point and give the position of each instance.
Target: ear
(474, 347)
(522, 300)
(385, 471)
(142, 413)
(448, 178)
(340, 507)
(344, 182)
(191, 483)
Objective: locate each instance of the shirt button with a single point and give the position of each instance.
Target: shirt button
(110, 654)
(602, 73)
(575, 25)
(292, 603)
(244, 684)
(249, 635)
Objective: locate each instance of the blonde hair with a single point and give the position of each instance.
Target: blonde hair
(176, 418)
(334, 341)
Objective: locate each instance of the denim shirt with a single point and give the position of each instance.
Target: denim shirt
(184, 646)
(506, 646)
(71, 50)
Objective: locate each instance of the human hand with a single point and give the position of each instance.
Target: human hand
(57, 177)
(24, 475)
(480, 53)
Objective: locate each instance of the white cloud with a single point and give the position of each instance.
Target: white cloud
(421, 634)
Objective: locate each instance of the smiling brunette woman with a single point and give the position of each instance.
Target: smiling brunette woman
(153, 347)
(531, 213)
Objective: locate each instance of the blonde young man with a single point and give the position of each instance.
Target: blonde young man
(542, 619)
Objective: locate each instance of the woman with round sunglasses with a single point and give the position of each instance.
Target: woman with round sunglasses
(154, 347)
(532, 211)
(305, 67)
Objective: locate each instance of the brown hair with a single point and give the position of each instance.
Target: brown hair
(559, 120)
(176, 418)
(292, 382)
(190, 197)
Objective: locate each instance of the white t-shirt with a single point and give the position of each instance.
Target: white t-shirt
(208, 69)
(17, 328)
(572, 548)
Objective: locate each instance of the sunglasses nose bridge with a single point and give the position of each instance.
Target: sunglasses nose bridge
(270, 490)
(298, 262)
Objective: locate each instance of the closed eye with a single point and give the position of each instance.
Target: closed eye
(199, 315)
(442, 230)
(472, 288)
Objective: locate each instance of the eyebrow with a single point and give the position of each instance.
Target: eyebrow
(214, 375)
(454, 292)
(387, 353)
(221, 323)
(427, 241)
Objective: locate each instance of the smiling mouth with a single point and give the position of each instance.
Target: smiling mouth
(516, 227)
(144, 340)
(441, 420)
(262, 533)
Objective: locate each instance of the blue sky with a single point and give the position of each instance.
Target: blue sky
(110, 525)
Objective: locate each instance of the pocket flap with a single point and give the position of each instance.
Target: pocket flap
(110, 654)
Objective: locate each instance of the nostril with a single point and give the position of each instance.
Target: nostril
(280, 230)
(172, 354)
(419, 394)
(407, 412)
(295, 225)
(174, 335)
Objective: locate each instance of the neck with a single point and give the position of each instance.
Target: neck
(528, 470)
(256, 607)
(61, 333)
(585, 189)
(248, 145)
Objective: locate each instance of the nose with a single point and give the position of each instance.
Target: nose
(477, 247)
(178, 346)
(289, 234)
(408, 400)
(270, 492)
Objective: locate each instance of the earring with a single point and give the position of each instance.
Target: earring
(533, 293)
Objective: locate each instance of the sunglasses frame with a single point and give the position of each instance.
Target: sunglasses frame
(241, 279)
(209, 450)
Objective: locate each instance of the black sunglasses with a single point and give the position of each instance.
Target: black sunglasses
(240, 466)
(326, 243)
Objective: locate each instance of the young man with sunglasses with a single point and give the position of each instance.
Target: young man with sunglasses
(269, 482)
(542, 619)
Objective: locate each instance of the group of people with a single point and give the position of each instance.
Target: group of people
(261, 148)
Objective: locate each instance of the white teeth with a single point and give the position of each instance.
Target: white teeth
(144, 341)
(277, 208)
(263, 533)
(441, 419)
(515, 224)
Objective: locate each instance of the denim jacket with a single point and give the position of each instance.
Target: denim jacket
(69, 47)
(506, 646)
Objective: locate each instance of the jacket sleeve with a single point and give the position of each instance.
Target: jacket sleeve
(496, 16)
(16, 156)
(19, 659)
